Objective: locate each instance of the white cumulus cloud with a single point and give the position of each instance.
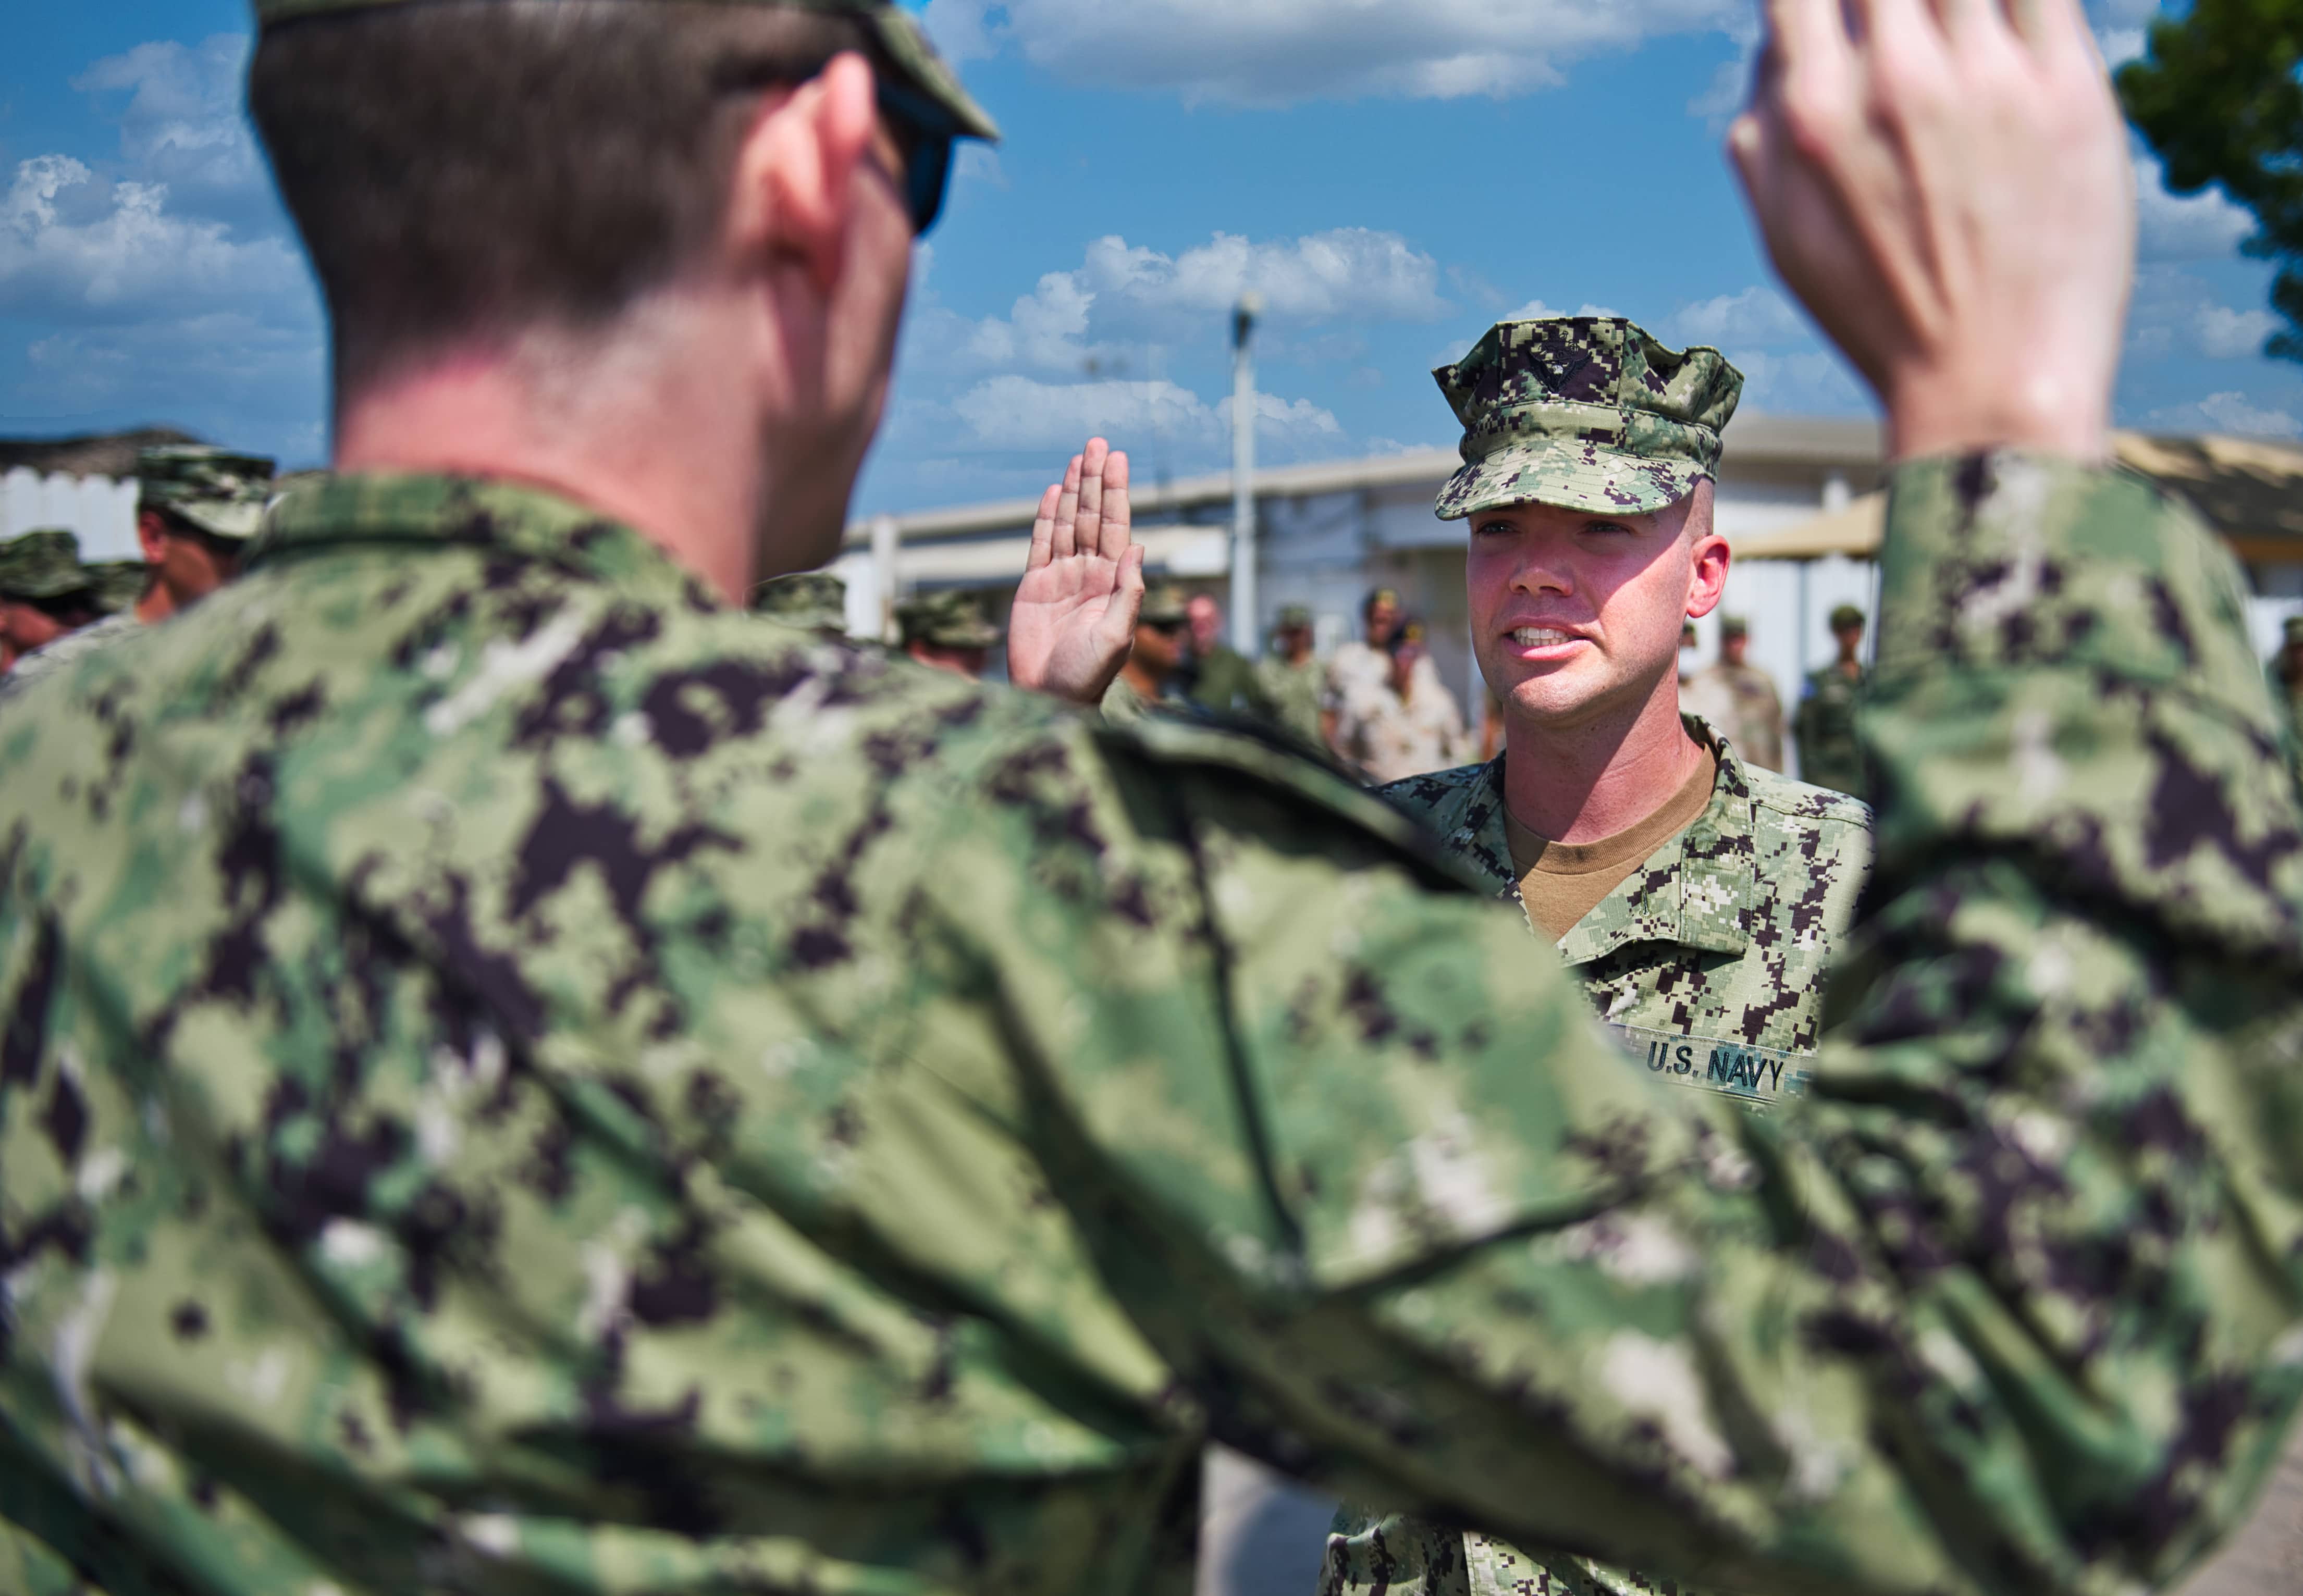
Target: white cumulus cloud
(182, 120)
(159, 279)
(2227, 412)
(1758, 315)
(1271, 52)
(1123, 297)
(72, 246)
(1012, 411)
(2228, 334)
(2201, 226)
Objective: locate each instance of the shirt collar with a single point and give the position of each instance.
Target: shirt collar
(1695, 890)
(413, 511)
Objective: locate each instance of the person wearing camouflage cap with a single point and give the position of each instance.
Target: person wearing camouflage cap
(947, 631)
(812, 600)
(1739, 699)
(1154, 660)
(1695, 894)
(1294, 679)
(1830, 754)
(518, 1077)
(46, 593)
(197, 510)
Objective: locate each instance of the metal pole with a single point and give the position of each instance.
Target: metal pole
(884, 540)
(1246, 628)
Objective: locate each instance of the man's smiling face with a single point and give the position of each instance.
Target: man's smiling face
(1574, 614)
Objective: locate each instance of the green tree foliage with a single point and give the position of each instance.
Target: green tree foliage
(2218, 98)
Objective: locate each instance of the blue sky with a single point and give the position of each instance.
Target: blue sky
(1389, 178)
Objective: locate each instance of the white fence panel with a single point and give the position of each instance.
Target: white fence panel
(99, 510)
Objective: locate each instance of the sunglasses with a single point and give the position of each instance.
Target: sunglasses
(923, 129)
(1167, 627)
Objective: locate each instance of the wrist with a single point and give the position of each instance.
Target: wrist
(1948, 413)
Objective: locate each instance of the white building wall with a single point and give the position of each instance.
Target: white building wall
(99, 510)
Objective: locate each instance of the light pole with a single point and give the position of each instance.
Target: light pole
(1244, 628)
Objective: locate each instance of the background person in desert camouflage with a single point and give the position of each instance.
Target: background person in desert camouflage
(1699, 897)
(1408, 724)
(515, 1075)
(1739, 700)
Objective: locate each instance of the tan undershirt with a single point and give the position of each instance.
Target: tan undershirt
(1563, 882)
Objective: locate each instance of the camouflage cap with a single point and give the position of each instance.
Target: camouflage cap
(1165, 605)
(1735, 626)
(1583, 412)
(221, 493)
(945, 621)
(119, 584)
(897, 32)
(1292, 617)
(814, 600)
(42, 564)
(1845, 615)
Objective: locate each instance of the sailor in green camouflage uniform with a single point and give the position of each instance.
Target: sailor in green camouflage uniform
(947, 631)
(1828, 754)
(46, 593)
(1707, 959)
(1142, 683)
(517, 1077)
(197, 509)
(811, 601)
(1294, 679)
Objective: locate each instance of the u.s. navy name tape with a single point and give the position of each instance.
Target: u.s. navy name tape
(1754, 1075)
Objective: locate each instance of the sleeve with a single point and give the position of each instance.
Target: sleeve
(2009, 1302)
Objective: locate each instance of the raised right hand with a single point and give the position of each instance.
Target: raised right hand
(1074, 619)
(1946, 185)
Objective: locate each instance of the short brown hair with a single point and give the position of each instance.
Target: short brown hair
(469, 168)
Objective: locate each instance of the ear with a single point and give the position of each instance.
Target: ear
(797, 176)
(1708, 557)
(151, 536)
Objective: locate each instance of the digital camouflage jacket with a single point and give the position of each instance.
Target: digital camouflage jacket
(59, 654)
(515, 1078)
(1709, 959)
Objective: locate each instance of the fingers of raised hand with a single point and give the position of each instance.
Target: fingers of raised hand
(1062, 543)
(1091, 496)
(1117, 513)
(1044, 529)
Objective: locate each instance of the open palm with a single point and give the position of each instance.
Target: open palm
(1074, 616)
